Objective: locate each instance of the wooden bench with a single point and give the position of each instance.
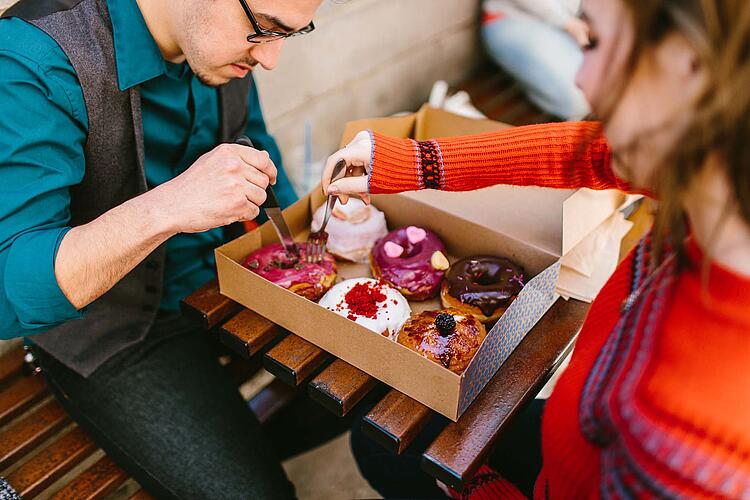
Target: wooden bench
(43, 452)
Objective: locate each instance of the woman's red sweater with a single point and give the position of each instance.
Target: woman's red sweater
(656, 399)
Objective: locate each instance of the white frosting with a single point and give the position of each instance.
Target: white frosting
(353, 229)
(391, 316)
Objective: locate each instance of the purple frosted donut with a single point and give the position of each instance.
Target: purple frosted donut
(411, 259)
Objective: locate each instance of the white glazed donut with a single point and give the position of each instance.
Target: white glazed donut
(352, 229)
(371, 303)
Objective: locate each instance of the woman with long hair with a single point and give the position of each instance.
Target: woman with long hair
(656, 399)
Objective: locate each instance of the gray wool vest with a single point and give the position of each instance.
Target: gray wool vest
(114, 154)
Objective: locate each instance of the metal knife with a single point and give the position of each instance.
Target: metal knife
(273, 211)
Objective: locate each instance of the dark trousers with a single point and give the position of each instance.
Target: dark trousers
(517, 457)
(169, 414)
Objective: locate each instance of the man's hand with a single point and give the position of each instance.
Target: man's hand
(356, 154)
(225, 185)
(579, 30)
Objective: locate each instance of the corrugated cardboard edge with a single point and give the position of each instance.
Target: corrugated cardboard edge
(358, 346)
(531, 304)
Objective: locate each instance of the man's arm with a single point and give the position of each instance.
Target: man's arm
(48, 270)
(223, 186)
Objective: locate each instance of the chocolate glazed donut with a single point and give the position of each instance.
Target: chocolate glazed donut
(483, 286)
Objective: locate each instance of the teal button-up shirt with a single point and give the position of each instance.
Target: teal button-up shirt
(43, 128)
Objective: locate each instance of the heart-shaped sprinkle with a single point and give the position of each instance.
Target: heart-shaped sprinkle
(415, 234)
(439, 261)
(393, 250)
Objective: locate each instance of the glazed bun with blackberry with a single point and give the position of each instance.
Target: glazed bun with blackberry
(482, 286)
(449, 337)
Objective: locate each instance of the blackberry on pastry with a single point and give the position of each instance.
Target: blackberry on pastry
(448, 337)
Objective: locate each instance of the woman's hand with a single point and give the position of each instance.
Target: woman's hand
(357, 156)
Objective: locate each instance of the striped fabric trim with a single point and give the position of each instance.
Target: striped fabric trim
(372, 160)
(418, 161)
(430, 165)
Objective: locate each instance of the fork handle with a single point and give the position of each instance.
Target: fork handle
(329, 210)
(271, 200)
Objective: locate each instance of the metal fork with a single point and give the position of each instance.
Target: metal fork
(316, 242)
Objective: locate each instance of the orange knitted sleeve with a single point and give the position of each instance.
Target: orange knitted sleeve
(559, 155)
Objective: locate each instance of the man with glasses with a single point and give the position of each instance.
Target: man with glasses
(114, 191)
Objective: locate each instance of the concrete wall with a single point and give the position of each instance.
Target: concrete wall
(366, 58)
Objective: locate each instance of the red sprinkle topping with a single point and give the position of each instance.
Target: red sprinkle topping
(363, 300)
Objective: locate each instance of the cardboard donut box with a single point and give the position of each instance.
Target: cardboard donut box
(401, 368)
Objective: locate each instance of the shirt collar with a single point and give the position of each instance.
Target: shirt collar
(137, 56)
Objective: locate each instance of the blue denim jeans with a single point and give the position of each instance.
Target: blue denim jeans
(543, 59)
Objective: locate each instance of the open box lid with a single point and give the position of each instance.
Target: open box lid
(554, 220)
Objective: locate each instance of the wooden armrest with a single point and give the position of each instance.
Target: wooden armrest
(340, 386)
(463, 446)
(395, 421)
(294, 359)
(248, 332)
(207, 306)
(98, 481)
(51, 463)
(20, 395)
(11, 364)
(29, 432)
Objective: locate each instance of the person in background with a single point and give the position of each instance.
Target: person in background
(655, 402)
(538, 42)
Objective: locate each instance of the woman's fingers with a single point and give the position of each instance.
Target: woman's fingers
(350, 186)
(356, 154)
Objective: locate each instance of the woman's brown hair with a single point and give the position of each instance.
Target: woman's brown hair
(719, 31)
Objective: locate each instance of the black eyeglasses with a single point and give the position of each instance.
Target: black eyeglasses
(263, 35)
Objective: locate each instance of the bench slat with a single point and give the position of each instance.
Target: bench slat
(271, 399)
(340, 386)
(51, 463)
(20, 395)
(396, 420)
(248, 332)
(207, 306)
(27, 434)
(11, 364)
(294, 359)
(463, 446)
(98, 481)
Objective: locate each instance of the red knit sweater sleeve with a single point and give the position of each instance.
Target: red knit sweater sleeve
(567, 155)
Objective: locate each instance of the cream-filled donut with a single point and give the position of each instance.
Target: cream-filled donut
(371, 303)
(352, 230)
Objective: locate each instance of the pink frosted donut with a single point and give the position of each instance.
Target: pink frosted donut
(412, 259)
(311, 281)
